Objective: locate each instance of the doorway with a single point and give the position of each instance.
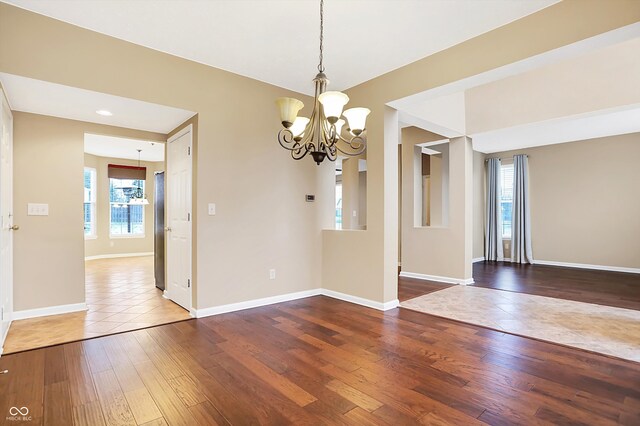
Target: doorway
(123, 286)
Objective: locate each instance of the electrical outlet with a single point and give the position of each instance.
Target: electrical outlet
(355, 213)
(272, 274)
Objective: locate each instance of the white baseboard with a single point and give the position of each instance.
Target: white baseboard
(232, 307)
(50, 310)
(478, 259)
(587, 266)
(117, 255)
(448, 280)
(361, 301)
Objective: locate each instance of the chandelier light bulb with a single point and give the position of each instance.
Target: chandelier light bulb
(300, 123)
(357, 119)
(289, 108)
(332, 103)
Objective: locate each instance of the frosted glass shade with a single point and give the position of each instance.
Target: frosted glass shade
(339, 125)
(289, 108)
(299, 125)
(357, 119)
(332, 103)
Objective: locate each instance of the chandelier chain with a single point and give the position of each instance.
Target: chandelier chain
(320, 65)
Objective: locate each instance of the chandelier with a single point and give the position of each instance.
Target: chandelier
(321, 134)
(137, 196)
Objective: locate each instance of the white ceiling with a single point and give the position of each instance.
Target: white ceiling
(110, 146)
(41, 97)
(277, 41)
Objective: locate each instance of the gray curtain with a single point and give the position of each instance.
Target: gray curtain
(493, 221)
(521, 229)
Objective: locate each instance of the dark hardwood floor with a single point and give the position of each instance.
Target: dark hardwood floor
(583, 285)
(409, 288)
(318, 361)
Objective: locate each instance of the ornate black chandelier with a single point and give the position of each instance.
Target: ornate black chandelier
(321, 135)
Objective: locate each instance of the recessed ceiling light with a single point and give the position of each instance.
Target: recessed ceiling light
(104, 112)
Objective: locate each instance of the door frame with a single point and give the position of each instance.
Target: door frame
(167, 291)
(8, 309)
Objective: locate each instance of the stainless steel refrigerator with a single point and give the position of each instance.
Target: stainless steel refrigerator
(158, 235)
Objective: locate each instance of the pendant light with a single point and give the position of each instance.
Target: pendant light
(321, 135)
(138, 197)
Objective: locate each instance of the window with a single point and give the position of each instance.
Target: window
(127, 219)
(339, 206)
(89, 203)
(506, 198)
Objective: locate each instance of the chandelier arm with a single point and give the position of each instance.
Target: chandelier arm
(332, 153)
(300, 153)
(357, 143)
(285, 137)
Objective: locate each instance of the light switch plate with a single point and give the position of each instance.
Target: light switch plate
(34, 209)
(212, 209)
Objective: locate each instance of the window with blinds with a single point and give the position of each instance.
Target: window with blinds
(506, 198)
(126, 219)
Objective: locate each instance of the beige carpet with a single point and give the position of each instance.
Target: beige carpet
(597, 328)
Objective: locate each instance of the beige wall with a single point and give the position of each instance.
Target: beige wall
(478, 204)
(251, 233)
(350, 194)
(371, 270)
(262, 219)
(613, 69)
(435, 250)
(585, 203)
(104, 244)
(48, 166)
(362, 200)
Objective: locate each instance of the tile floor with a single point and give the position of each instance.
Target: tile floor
(604, 329)
(121, 296)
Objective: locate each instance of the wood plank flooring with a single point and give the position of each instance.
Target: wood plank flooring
(318, 361)
(608, 288)
(410, 288)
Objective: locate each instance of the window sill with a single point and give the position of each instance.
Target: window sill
(120, 237)
(90, 237)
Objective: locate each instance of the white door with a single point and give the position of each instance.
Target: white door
(6, 219)
(178, 218)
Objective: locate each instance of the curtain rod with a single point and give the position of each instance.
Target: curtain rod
(505, 158)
